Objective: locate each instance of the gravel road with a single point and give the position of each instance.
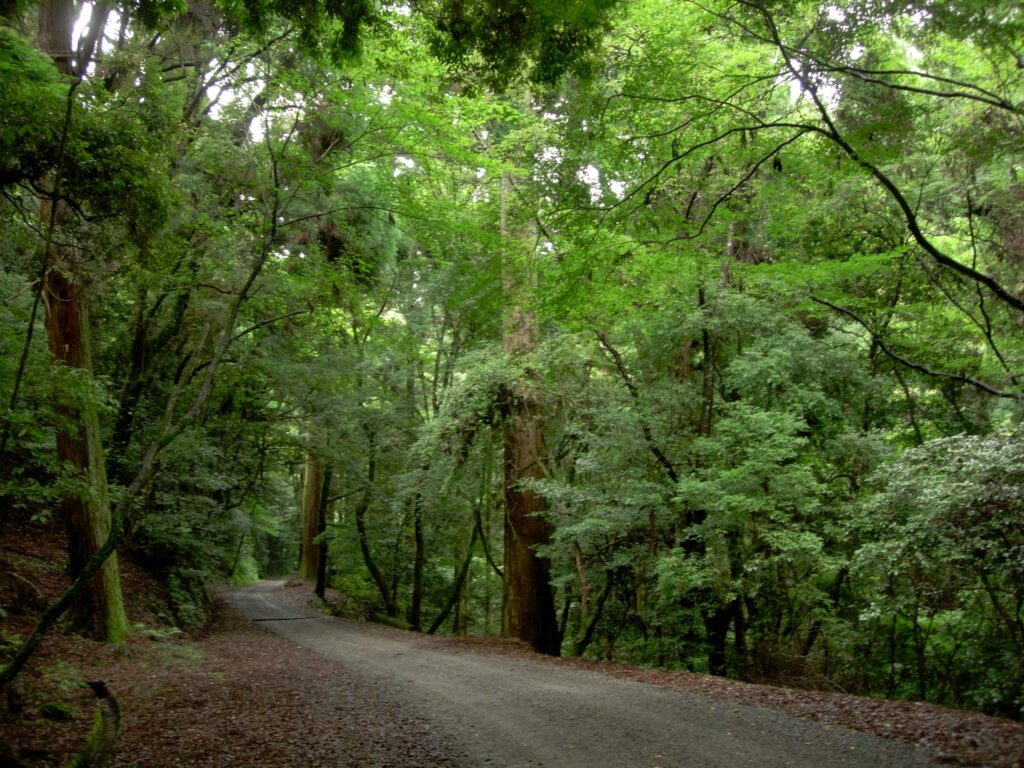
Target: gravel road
(512, 711)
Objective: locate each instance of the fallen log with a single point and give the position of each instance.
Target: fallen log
(99, 746)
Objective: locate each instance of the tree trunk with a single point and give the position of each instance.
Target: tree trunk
(386, 595)
(457, 588)
(585, 587)
(528, 610)
(99, 612)
(461, 623)
(716, 624)
(587, 629)
(321, 530)
(708, 382)
(418, 562)
(138, 380)
(312, 486)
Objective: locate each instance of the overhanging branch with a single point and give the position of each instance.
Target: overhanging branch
(892, 354)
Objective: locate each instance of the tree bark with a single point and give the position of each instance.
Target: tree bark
(587, 634)
(457, 587)
(708, 381)
(528, 609)
(99, 613)
(716, 624)
(321, 530)
(312, 486)
(418, 563)
(390, 603)
(585, 586)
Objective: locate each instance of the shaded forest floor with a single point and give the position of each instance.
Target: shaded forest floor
(235, 694)
(230, 695)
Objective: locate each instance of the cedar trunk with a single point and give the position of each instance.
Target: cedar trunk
(528, 611)
(418, 563)
(321, 532)
(529, 606)
(312, 488)
(99, 613)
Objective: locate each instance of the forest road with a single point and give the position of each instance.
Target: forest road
(509, 710)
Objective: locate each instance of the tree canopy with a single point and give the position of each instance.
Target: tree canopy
(685, 333)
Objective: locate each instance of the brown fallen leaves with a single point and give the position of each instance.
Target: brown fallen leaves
(237, 696)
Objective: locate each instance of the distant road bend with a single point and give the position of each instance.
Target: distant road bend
(513, 711)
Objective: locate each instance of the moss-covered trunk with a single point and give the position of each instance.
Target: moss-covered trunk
(99, 613)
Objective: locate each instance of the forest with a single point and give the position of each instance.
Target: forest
(683, 333)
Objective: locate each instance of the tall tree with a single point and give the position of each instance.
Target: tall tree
(100, 611)
(528, 611)
(312, 500)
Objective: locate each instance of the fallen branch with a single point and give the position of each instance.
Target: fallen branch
(102, 739)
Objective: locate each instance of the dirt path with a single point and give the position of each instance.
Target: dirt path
(510, 711)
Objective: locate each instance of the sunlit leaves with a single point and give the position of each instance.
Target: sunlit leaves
(951, 546)
(32, 106)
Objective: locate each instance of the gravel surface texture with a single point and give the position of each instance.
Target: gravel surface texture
(240, 694)
(512, 710)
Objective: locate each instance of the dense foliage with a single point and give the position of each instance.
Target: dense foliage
(751, 271)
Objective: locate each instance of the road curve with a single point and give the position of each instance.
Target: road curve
(513, 711)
